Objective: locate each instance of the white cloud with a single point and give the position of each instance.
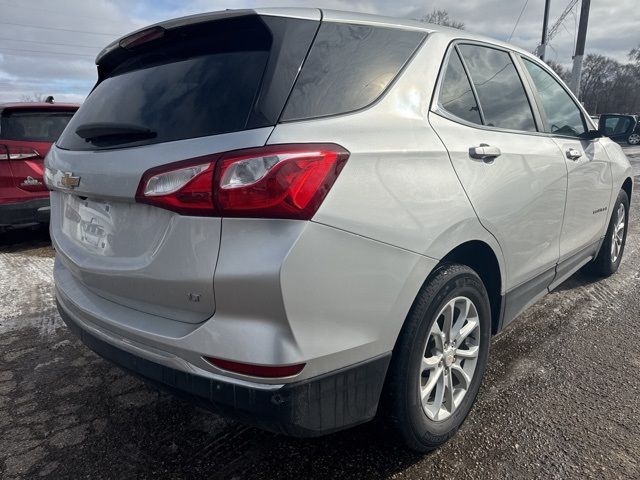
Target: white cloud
(58, 58)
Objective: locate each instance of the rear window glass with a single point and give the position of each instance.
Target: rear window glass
(348, 68)
(226, 76)
(33, 125)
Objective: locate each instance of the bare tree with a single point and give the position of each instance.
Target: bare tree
(441, 17)
(36, 97)
(560, 70)
(634, 55)
(609, 86)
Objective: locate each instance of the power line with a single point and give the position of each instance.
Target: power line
(46, 52)
(51, 43)
(518, 20)
(62, 29)
(10, 4)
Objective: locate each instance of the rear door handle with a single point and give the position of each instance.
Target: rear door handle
(573, 154)
(484, 152)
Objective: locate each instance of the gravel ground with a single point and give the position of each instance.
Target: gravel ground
(559, 400)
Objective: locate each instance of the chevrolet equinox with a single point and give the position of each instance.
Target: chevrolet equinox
(304, 217)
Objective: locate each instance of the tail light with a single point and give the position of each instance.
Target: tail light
(264, 371)
(14, 152)
(184, 187)
(279, 181)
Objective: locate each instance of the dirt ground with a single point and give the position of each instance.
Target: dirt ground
(560, 398)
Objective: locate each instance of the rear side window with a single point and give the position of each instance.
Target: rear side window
(206, 79)
(456, 95)
(563, 115)
(33, 125)
(500, 91)
(348, 68)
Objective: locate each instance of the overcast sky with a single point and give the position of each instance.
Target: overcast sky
(49, 47)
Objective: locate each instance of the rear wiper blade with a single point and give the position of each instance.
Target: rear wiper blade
(90, 131)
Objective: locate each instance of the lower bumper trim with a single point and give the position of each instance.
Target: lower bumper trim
(30, 212)
(310, 408)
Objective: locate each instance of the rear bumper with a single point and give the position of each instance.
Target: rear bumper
(309, 408)
(30, 212)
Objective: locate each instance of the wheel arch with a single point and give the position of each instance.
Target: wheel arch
(479, 256)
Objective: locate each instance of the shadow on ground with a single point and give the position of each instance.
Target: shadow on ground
(24, 239)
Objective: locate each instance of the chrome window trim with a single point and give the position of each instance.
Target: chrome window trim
(438, 109)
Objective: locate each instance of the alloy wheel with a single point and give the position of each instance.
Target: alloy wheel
(634, 139)
(617, 234)
(450, 358)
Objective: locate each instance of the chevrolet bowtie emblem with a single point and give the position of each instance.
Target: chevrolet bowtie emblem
(69, 181)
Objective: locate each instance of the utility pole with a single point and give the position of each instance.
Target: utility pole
(576, 72)
(545, 24)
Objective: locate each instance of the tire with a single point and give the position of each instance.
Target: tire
(421, 429)
(634, 139)
(605, 264)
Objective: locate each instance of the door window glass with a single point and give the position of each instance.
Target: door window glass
(500, 90)
(563, 115)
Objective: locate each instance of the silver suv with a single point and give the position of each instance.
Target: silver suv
(303, 217)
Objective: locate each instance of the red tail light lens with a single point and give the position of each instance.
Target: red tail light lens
(278, 181)
(264, 371)
(183, 187)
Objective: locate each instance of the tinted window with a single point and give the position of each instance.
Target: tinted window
(348, 68)
(562, 113)
(500, 92)
(220, 77)
(37, 126)
(456, 95)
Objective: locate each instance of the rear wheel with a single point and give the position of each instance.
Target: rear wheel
(634, 139)
(440, 358)
(610, 254)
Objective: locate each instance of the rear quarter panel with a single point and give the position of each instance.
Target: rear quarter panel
(398, 186)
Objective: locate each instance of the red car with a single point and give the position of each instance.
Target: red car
(27, 131)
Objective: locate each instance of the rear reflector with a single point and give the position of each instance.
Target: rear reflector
(264, 371)
(277, 181)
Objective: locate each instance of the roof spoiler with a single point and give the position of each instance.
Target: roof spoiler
(116, 50)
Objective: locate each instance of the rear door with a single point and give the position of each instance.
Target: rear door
(206, 85)
(589, 172)
(513, 175)
(27, 135)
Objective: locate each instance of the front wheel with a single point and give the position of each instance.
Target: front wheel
(610, 255)
(634, 139)
(440, 358)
